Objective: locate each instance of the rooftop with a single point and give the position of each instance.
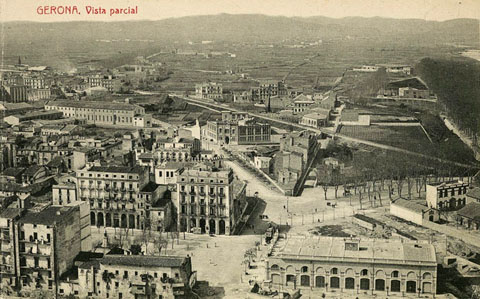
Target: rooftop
(474, 193)
(316, 116)
(13, 171)
(117, 169)
(412, 82)
(10, 213)
(418, 206)
(379, 250)
(471, 210)
(142, 261)
(447, 184)
(13, 106)
(37, 114)
(47, 216)
(150, 187)
(93, 104)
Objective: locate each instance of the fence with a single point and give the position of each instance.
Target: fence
(298, 219)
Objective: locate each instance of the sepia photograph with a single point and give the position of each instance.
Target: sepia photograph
(239, 149)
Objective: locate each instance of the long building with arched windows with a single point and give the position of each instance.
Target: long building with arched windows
(352, 266)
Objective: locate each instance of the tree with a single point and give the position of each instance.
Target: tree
(324, 177)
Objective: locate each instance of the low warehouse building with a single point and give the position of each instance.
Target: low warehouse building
(413, 211)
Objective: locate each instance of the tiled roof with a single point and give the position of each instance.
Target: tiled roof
(416, 206)
(13, 171)
(378, 250)
(93, 105)
(142, 261)
(10, 213)
(47, 216)
(117, 169)
(32, 170)
(471, 210)
(474, 193)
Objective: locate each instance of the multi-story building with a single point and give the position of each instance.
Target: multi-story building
(39, 94)
(47, 240)
(35, 82)
(9, 271)
(8, 153)
(64, 193)
(209, 90)
(315, 120)
(167, 172)
(14, 93)
(296, 150)
(158, 207)
(268, 88)
(135, 276)
(447, 195)
(302, 103)
(237, 129)
(110, 82)
(112, 192)
(372, 267)
(99, 112)
(209, 201)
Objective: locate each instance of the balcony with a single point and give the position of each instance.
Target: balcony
(203, 203)
(222, 195)
(107, 188)
(192, 192)
(211, 194)
(201, 193)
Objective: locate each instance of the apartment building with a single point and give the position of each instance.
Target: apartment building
(111, 83)
(99, 112)
(352, 266)
(113, 195)
(209, 201)
(9, 268)
(447, 195)
(268, 88)
(41, 244)
(209, 90)
(35, 82)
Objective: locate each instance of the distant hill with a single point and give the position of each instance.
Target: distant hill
(81, 38)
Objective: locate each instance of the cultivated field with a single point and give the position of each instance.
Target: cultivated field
(411, 138)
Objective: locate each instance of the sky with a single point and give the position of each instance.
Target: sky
(438, 10)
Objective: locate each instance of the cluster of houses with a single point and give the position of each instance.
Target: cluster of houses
(457, 198)
(314, 110)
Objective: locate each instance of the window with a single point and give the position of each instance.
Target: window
(304, 269)
(334, 271)
(395, 274)
(364, 272)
